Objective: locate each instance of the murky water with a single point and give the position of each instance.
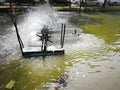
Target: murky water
(91, 58)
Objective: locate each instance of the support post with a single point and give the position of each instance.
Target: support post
(63, 29)
(61, 35)
(14, 22)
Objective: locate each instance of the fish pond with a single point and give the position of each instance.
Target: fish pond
(91, 59)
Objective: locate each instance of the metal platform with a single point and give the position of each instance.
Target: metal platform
(36, 51)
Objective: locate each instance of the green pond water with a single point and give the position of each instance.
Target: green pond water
(103, 25)
(92, 62)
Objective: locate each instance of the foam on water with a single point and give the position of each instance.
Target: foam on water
(86, 43)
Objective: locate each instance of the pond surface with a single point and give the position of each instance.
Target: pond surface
(91, 60)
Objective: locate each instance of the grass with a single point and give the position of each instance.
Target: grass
(1, 7)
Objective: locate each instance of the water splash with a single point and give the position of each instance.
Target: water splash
(34, 21)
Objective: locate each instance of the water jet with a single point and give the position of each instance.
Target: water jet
(44, 35)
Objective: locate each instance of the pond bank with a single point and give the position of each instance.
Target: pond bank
(88, 8)
(6, 9)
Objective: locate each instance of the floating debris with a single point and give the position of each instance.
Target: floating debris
(10, 84)
(60, 82)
